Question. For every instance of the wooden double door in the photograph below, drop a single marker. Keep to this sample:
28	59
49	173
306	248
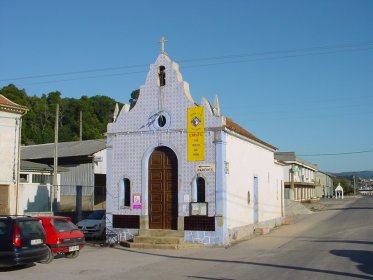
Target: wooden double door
163	189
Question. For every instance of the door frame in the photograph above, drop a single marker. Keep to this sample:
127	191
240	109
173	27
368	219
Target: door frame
145	183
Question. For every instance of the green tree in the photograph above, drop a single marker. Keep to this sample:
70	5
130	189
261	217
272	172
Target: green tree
38	123
20	97
134	97
345	183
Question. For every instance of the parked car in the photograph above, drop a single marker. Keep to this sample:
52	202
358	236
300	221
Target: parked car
94	226
22	241
62	237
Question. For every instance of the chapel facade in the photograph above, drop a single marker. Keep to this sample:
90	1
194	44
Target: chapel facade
178	165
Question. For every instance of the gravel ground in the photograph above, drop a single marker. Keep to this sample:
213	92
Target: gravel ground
296	211
328	203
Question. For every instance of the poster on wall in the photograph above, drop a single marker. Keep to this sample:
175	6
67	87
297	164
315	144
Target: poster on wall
136	201
196	134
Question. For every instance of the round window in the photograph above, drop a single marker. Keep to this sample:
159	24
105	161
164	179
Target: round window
162	120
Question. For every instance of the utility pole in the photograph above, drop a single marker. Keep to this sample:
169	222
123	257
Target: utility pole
292	186
55	163
354	186
81	126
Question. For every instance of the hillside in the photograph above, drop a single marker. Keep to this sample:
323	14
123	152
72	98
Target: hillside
358	174
38	123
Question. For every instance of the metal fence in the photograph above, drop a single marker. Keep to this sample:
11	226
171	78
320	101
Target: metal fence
61	198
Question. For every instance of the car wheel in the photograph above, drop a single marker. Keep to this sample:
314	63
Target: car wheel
72	255
49	257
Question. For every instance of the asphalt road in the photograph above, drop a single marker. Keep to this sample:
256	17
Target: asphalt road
332	244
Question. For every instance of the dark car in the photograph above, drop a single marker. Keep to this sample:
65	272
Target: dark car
63	237
22	241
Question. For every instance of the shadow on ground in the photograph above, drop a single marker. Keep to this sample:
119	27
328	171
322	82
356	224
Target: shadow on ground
364	259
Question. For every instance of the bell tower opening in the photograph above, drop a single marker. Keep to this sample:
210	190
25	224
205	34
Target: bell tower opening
162	76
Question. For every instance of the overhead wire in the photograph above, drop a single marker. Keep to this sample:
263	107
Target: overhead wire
336	154
309	52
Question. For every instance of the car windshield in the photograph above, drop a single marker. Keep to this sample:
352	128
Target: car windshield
63	225
96	215
30	228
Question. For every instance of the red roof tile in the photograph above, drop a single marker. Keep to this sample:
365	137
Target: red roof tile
231	125
10	106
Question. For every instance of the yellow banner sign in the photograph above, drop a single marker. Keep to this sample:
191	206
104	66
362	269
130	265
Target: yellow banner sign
196	134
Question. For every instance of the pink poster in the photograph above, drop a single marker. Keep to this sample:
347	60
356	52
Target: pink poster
136	201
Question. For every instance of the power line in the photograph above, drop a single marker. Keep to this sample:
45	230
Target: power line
311	51
282	51
337	154
276	57
190	66
74	72
84	78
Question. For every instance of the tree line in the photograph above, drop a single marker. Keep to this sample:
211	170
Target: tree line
38	123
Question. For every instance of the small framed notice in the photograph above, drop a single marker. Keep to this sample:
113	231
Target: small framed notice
136	201
205	168
198	208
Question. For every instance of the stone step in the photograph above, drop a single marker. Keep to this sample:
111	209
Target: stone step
158	239
161	246
161	232
262	230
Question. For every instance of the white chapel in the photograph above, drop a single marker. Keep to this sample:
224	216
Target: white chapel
179	166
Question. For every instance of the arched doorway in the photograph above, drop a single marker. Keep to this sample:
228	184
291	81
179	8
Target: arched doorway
163	189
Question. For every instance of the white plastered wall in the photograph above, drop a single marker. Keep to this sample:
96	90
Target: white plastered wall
8	147
9	139
247	160
100	162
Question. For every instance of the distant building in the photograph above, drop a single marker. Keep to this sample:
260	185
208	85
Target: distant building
10	139
35	189
299	176
324	184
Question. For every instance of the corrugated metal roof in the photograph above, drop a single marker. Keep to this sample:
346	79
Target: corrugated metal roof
35	166
65	149
29	165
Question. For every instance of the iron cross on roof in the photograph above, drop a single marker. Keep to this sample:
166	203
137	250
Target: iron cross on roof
162	41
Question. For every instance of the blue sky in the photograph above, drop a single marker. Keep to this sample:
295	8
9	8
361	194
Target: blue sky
297	74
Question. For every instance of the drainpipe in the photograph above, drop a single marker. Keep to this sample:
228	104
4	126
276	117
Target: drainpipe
18	160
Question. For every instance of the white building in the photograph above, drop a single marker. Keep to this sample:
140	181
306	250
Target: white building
299	176
324	184
174	164
80	163
35	187
10	127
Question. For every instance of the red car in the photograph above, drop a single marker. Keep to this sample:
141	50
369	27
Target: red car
62	237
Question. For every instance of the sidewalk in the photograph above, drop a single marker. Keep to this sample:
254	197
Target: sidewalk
296	211
328	203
